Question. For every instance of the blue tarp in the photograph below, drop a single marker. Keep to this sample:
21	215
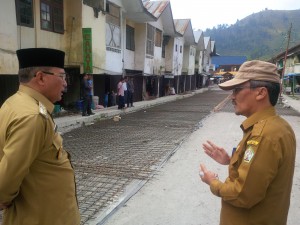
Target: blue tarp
228	60
291	74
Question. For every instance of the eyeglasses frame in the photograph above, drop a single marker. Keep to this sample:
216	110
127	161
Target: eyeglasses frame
236	90
63	76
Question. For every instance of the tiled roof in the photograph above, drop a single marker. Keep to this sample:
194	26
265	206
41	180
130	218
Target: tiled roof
181	25
156	7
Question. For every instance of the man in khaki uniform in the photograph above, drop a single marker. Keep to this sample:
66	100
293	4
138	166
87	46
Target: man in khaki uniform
37	184
261	168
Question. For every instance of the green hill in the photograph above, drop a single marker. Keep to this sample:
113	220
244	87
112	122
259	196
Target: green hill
258	36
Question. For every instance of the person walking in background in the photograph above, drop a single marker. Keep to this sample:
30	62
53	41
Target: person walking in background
261	167
90	97
106	100
37	183
85	90
121	101
112	98
125	91
130	90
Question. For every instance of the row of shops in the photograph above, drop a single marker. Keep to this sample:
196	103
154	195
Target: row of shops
146	87
291	83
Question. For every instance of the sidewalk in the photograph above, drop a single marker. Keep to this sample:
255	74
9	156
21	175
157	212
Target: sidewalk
291	101
67	123
176	195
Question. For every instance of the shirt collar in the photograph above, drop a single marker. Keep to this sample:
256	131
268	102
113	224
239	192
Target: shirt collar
258	116
37	96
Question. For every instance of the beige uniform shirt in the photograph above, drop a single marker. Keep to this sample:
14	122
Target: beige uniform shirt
261	170
35	173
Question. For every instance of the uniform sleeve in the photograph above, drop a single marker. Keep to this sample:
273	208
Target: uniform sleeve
24	140
249	184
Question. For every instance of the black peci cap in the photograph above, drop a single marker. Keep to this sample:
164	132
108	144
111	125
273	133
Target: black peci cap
35	57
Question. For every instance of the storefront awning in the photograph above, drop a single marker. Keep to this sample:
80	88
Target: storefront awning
170	76
223	73
206	74
291	74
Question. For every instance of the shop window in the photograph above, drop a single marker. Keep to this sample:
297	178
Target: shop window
130	38
166	40
163	51
24	13
52	18
158	38
150	40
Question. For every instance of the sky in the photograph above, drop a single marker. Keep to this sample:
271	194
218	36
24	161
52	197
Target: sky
210	13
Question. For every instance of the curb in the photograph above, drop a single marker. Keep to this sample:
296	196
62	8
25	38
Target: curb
68	123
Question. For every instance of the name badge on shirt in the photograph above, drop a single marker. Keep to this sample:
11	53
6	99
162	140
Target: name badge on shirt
249	153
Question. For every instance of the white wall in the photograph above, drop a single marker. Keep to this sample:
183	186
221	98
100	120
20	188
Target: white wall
153	64
129	59
8	41
192	55
98	37
186	58
140	46
177	56
169	52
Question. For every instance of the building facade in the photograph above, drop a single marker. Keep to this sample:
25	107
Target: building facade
109	39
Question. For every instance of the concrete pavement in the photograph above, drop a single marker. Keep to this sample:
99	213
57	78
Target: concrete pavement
184	171
176	195
69	122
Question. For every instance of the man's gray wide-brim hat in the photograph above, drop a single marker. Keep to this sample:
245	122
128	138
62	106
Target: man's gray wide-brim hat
253	70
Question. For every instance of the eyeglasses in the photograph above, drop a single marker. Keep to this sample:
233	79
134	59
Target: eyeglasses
236	90
61	75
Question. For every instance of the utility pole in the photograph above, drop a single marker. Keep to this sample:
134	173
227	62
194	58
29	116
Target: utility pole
286	51
284	61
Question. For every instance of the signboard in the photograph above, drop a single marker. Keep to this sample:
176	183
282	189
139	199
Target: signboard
87	50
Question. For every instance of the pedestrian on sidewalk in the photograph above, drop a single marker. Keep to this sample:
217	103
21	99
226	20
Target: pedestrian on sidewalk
121	100
112	98
125	91
130	92
261	167
37	184
85	90
106	99
90	99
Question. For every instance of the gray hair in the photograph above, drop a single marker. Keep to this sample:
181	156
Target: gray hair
26	74
272	87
